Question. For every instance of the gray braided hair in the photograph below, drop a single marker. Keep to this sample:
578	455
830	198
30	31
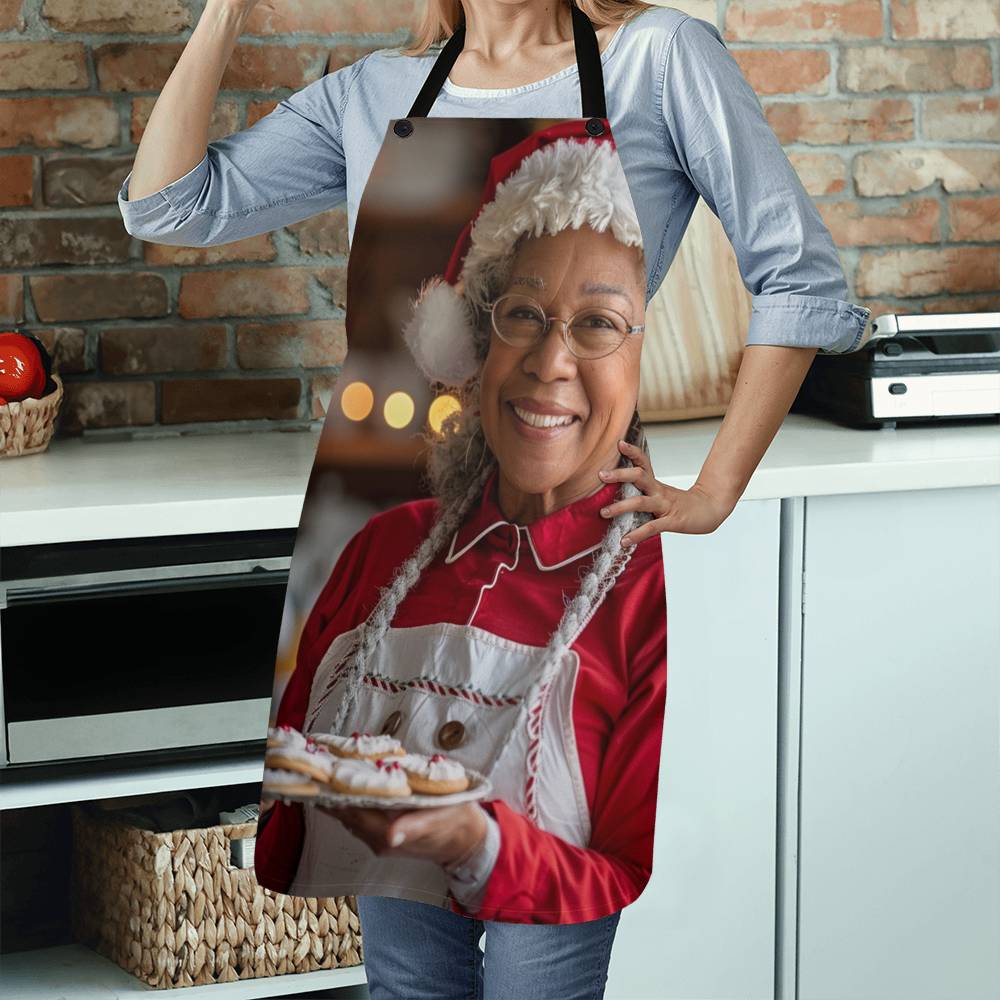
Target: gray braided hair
458	485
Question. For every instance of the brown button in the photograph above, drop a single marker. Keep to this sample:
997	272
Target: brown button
392	723
451	734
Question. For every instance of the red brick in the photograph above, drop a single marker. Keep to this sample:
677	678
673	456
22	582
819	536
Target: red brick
900	171
803	20
324	234
945	18
202	400
919	272
820	173
967	303
259	247
135	66
244	292
31	241
16	180
853	223
68	348
107	404
224	121
259	109
11	298
963	118
320	343
91	122
11	16
915	67
975	219
98	295
831	123
320	17
785	71
73	181
334	281
164	17
131	350
43	66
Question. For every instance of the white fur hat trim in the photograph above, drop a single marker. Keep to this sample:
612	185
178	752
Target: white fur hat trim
440	333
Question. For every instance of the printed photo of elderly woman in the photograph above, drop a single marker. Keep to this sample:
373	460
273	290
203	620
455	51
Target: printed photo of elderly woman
506	622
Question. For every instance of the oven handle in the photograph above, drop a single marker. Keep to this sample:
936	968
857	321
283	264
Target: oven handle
147	579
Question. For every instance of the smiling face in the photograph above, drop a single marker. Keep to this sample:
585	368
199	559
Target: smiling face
552	419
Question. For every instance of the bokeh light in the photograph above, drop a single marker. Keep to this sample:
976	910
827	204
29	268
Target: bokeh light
399	409
441	407
357	401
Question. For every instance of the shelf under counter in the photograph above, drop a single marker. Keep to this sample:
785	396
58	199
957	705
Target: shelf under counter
83	781
76	971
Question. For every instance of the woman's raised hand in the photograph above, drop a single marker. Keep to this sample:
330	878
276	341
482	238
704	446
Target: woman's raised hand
694	511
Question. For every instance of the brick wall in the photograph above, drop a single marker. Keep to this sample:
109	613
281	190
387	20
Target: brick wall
889	109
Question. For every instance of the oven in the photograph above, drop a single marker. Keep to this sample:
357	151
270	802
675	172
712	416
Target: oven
139	645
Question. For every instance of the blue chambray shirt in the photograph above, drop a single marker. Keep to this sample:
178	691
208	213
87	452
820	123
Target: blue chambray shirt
685	121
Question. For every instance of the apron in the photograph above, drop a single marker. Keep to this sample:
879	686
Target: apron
420	683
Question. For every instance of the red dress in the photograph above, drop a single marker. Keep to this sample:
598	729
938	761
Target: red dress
618	703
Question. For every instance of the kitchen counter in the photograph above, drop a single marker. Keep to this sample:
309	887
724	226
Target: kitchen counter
89	489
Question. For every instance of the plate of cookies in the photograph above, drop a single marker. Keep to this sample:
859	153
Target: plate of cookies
363	769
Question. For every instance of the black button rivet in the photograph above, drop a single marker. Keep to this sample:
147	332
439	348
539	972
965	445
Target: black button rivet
403	128
595	126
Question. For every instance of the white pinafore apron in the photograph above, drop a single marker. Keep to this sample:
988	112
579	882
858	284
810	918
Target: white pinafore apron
517	732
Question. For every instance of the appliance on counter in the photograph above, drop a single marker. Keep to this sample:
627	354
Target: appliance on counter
133	645
914	368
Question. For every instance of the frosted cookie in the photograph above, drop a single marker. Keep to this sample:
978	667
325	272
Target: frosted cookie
366	777
285	736
363	746
312	760
434	775
278	783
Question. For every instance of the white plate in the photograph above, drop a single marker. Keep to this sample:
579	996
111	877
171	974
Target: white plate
479	788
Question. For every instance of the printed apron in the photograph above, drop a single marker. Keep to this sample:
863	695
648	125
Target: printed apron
515	725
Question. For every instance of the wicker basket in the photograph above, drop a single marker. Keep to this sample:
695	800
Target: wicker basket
27	426
170	909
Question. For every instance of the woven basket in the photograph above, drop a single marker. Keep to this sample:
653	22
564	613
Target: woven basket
27	426
696	328
170	909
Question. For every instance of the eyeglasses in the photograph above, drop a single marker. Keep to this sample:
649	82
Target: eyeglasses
593	332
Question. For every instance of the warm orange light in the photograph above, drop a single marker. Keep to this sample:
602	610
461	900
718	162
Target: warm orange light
398	410
441	407
357	401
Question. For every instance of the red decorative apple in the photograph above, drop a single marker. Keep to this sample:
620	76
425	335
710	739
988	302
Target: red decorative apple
24	367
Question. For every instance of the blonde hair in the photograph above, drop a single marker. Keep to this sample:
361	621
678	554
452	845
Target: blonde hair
440	18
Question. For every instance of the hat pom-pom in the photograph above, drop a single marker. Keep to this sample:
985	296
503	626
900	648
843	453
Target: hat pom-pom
441	334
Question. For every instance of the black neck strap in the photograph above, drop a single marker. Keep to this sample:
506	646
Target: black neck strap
588	61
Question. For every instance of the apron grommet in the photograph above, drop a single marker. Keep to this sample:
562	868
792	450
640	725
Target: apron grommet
451	734
403	128
595	126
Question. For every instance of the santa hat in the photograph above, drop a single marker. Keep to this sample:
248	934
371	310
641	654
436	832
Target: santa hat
561	177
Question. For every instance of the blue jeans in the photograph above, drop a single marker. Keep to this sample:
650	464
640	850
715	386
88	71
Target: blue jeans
417	951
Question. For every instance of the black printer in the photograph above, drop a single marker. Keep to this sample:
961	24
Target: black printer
911	369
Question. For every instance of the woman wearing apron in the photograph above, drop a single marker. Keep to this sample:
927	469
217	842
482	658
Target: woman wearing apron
555	913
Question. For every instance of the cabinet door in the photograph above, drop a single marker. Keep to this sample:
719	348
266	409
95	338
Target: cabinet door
704	926
899	879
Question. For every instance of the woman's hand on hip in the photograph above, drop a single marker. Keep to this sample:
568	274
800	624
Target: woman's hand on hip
694	511
444	834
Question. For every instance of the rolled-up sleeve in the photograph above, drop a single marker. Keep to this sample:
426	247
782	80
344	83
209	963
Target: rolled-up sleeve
787	258
288	166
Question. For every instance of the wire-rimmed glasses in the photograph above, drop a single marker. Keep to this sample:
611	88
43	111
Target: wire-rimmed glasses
591	333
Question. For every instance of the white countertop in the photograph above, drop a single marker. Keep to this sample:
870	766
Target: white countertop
85	489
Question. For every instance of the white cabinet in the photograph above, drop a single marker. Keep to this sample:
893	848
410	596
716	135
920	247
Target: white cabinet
899	809
704	926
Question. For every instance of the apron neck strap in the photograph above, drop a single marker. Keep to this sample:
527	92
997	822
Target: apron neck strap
588	61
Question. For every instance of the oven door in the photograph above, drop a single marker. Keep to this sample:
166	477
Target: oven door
172	646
